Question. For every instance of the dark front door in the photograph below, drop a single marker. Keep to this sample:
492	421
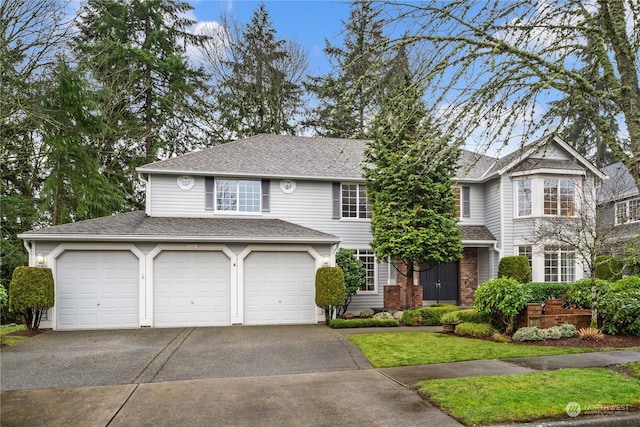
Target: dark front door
440	282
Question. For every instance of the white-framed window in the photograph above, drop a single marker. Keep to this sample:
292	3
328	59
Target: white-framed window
369	261
526	251
354	201
559	197
559	264
185	182
628	211
233	195
524	197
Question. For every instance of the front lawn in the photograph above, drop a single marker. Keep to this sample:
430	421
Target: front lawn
420	348
538	395
11	339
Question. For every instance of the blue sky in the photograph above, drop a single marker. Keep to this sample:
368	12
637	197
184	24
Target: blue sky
307	22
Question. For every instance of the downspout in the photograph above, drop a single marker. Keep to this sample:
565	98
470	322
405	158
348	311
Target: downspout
496	248
28	245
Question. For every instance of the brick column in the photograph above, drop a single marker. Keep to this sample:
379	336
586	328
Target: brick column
469	270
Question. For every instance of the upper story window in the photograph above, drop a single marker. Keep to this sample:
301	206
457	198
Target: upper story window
463	201
559	197
354	201
524	197
232	195
628	211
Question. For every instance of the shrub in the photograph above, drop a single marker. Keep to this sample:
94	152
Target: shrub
467	315
330	289
590	334
474	330
4	298
539	292
31	293
529	333
608	267
554	333
450	317
501	299
367	312
362	323
498	337
619	307
567	330
398	316
426	316
580	293
354	276
383	315
515	267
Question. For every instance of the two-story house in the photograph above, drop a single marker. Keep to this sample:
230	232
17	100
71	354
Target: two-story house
234	234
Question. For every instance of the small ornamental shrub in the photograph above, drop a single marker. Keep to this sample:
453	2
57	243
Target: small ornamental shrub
474	330
467	315
581	292
619	307
608	268
450	317
515	267
590	334
539	292
362	323
330	290
529	333
502	300
354	276
31	293
554	333
426	316
498	337
567	330
367	312
398	316
383	315
4	298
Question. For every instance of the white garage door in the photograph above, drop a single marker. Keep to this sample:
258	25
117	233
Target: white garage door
279	288
191	288
97	290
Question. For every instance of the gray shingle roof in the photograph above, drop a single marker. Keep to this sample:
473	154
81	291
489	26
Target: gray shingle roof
476	233
619	185
272	156
136	226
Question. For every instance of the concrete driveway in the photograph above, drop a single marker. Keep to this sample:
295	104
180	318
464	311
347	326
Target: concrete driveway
262	375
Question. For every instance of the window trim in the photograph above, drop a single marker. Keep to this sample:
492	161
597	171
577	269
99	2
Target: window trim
356	252
559	252
520	186
558	208
628	217
359	186
211	195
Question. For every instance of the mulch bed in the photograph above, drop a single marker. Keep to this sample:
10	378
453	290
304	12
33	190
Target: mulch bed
621	341
26	332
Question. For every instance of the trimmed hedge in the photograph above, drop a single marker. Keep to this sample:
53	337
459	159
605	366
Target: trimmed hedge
330	289
619	307
539	292
469	315
31	292
474	330
515	267
426	316
362	323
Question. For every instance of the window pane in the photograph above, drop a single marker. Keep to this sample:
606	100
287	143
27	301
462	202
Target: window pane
456	194
349	201
364	207
369	262
634	210
226	195
567	266
526	252
551	264
524	197
466	202
249	196
567	197
550	197
621	212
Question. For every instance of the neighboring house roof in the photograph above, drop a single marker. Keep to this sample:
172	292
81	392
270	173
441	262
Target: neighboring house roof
275	156
619	184
136	226
476	233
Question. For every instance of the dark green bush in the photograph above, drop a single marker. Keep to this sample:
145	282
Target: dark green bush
539	292
580	294
515	267
31	293
330	289
426	316
469	315
474	330
501	299
608	267
619	307
362	323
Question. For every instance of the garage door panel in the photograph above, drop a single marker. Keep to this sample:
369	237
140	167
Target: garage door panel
97	289
191	288
279	288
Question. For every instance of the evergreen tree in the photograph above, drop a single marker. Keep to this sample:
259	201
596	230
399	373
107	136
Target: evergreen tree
75	188
409	185
153	98
258	79
349	98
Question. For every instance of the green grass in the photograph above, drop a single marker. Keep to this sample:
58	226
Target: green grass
420	348
8	339
635	367
526	397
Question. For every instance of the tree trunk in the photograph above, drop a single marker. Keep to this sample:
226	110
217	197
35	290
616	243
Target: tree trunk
409	285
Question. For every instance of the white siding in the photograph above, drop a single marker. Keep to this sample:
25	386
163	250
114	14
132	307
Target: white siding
166	199
484	267
477	199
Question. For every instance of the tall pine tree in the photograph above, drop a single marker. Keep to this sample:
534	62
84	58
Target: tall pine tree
411	165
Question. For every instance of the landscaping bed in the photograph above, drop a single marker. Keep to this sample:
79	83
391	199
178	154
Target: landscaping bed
609	341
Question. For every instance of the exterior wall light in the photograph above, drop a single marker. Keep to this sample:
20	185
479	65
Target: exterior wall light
41	260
